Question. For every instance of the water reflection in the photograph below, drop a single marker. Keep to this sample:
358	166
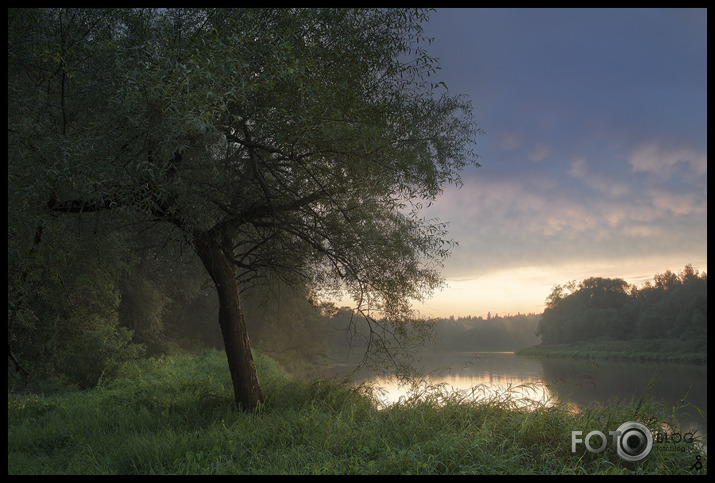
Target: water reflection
579	383
499	376
462	389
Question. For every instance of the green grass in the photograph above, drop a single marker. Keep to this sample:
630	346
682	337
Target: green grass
656	350
175	415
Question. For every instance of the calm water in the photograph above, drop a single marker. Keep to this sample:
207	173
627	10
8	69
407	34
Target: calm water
577	382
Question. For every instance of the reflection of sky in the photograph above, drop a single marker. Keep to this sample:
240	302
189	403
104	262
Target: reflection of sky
578	383
481	376
595	157
524	394
480	387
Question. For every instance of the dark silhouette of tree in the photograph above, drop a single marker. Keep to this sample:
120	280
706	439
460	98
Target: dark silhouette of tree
673	306
294	142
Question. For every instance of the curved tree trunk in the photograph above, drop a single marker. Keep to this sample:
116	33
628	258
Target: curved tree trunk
246	389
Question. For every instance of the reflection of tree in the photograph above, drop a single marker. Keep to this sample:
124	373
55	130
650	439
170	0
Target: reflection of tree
578	383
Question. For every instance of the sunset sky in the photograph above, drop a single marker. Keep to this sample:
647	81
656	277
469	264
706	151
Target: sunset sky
594	161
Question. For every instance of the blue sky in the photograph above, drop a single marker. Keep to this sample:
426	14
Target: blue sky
594	161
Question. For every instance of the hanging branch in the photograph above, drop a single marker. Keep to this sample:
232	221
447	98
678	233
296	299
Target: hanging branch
18	366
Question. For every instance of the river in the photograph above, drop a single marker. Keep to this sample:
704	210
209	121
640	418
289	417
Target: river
577	382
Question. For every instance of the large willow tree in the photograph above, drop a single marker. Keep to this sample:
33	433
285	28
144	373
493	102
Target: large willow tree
299	142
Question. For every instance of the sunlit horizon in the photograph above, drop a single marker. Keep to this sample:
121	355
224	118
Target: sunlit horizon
594	161
523	290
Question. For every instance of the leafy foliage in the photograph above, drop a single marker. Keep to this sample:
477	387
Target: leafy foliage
673	306
63	298
297	143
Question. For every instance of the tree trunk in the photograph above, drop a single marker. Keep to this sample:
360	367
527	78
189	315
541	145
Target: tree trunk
246	389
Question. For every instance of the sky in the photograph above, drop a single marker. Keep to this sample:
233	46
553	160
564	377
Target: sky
594	161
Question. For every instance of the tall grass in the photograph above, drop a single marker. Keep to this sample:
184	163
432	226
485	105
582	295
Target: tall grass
175	415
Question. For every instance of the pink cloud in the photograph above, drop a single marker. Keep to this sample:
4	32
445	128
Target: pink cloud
650	157
680	204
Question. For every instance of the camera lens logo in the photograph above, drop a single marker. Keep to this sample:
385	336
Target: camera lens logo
634	441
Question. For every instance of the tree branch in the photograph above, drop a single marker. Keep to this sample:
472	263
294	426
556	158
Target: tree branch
18	366
255	213
78	206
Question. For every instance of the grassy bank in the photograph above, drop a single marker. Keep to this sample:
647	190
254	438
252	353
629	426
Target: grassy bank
176	416
656	350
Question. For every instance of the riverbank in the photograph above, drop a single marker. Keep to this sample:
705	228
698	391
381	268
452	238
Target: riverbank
656	350
175	415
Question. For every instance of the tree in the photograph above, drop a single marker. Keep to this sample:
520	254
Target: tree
671	307
62	309
293	142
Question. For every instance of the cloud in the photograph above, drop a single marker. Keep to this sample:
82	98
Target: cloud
679	204
538	152
602	184
642	231
578	167
615	216
653	158
503	222
508	141
595	159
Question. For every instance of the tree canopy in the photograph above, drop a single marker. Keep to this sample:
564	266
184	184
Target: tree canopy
290	143
672	306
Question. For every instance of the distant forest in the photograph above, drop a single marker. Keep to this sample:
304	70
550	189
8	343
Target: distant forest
463	334
672	306
494	333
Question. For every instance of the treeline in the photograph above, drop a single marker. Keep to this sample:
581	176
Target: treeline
672	306
493	333
347	333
